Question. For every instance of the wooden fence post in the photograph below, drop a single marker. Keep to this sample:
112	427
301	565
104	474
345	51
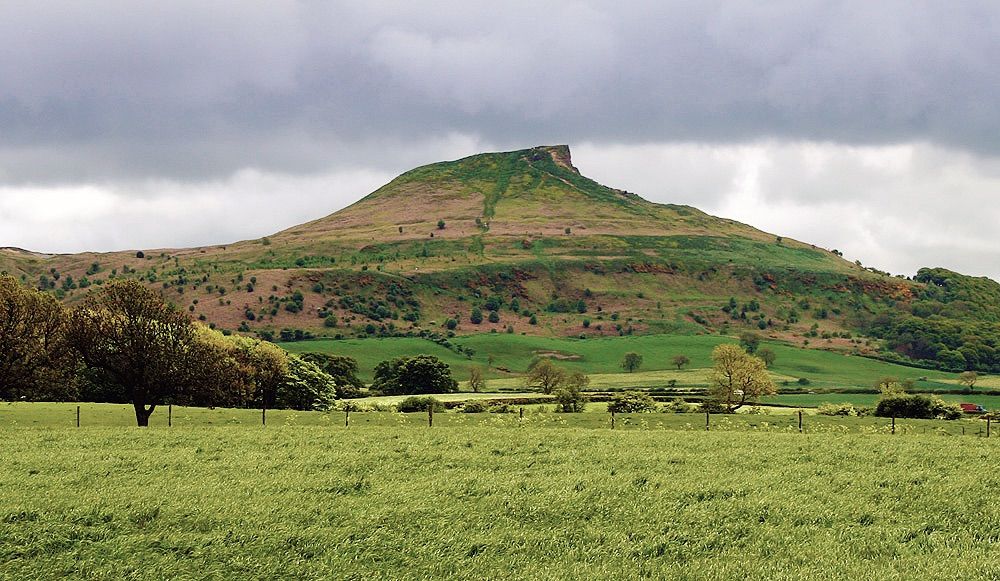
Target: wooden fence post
612	419
263	415
988	420
78	416
170	415
430	416
520	413
800	421
893	424
706	420
347	416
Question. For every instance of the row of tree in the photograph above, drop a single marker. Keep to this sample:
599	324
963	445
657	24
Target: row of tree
124	343
737	377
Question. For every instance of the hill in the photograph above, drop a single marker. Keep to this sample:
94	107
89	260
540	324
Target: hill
526	243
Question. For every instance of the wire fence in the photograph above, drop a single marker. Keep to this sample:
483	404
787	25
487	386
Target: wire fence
82	416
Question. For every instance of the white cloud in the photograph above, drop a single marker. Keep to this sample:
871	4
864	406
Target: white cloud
896	207
161	213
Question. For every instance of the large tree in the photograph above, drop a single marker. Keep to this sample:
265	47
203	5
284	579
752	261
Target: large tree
36	361
544	375
343	369
232	371
738	377
305	387
139	342
413	375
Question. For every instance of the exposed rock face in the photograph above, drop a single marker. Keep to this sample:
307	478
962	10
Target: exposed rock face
561	155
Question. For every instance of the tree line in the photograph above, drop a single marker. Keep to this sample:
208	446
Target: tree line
125	344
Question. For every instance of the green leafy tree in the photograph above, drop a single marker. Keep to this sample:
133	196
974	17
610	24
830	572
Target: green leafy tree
36	361
750	342
767	355
343	370
305	387
631	362
414	375
680	361
137	341
476	316
737	377
544	375
569	393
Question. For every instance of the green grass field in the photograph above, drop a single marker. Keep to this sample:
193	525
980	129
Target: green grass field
603	356
471	501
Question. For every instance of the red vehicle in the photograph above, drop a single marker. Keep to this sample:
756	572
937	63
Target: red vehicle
972	408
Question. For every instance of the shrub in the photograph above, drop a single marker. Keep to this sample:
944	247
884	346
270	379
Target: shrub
913	405
475	407
679	406
630	402
569	399
419	404
476	316
712	407
837	409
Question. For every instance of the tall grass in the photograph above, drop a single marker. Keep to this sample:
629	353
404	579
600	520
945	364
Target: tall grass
393	502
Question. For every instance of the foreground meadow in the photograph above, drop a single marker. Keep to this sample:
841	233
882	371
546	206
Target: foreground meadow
478	502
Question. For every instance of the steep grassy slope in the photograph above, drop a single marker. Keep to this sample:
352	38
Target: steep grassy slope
525	236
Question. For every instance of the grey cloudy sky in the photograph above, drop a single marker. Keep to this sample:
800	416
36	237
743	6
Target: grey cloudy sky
872	127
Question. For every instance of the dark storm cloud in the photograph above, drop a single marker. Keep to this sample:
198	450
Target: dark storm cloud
190	90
